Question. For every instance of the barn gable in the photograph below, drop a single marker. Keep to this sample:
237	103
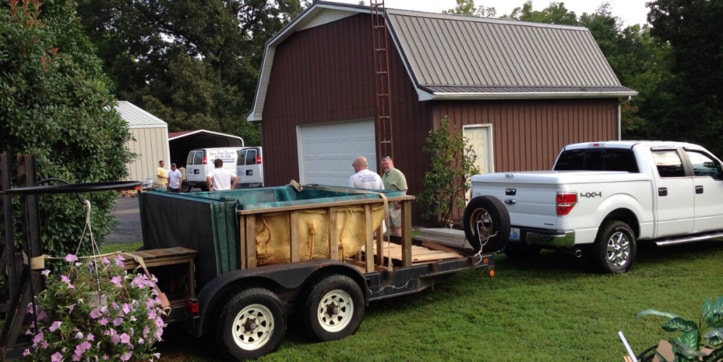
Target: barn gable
518	91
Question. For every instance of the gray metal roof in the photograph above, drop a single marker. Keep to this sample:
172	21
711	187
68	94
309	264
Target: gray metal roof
463	57
136	117
447	54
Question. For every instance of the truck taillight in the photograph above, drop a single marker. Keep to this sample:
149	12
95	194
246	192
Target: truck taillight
192	308
565	201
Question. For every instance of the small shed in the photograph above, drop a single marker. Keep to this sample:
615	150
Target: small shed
182	142
149	140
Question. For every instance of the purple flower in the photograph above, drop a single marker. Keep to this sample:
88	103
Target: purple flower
56	357
45	272
70	258
95	313
82	347
38	338
125	338
103	321
126	308
66	280
117	321
26	352
126	356
91	337
117	281
54	327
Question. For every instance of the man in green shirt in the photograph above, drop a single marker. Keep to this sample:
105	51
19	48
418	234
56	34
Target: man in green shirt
394	180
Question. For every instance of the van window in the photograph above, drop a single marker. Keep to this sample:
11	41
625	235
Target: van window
246	157
597	159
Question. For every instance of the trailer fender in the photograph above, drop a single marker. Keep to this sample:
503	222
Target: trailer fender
283	279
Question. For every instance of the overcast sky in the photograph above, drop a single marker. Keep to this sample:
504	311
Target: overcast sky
631	12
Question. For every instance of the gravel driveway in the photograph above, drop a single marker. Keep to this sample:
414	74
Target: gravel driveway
128	228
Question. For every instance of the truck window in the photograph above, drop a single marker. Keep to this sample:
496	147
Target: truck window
597	159
668	163
703	165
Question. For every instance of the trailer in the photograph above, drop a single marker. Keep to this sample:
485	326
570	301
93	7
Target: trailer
236	264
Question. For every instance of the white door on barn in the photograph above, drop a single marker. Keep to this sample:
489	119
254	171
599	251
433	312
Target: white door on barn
326	151
480	138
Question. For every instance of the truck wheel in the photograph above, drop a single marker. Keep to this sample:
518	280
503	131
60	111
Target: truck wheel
615	247
252	324
486	223
334	308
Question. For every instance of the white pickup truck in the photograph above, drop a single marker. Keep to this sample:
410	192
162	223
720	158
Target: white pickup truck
602	198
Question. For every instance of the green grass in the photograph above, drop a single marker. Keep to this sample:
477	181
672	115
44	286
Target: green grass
550	308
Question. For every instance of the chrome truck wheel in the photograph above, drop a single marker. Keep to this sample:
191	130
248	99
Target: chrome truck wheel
486	224
615	247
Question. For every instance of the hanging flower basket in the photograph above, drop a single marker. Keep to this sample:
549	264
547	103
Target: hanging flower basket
95	310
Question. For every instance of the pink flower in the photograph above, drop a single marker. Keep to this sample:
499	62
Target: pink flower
126	308
26	352
125	338
95	313
56	357
54	327
126	356
38	338
81	348
103	321
45	272
66	280
118	321
117	281
91	337
70	258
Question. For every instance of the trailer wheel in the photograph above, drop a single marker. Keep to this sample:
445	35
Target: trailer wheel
486	223
615	247
334	308
252	324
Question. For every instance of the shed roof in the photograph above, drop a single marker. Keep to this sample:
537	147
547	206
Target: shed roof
136	117
450	57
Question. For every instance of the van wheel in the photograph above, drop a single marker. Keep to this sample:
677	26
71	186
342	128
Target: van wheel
185	187
252	324
334	308
486	223
615	247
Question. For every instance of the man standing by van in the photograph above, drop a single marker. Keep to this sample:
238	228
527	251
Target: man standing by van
161	176
175	179
221	179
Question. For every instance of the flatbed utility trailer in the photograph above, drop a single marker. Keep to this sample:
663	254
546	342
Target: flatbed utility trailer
315	251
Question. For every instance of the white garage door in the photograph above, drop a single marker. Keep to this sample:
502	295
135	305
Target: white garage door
326	151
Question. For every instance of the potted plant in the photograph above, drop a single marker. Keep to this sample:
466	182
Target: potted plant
95	310
702	341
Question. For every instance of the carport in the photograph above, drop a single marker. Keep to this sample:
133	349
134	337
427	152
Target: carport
180	143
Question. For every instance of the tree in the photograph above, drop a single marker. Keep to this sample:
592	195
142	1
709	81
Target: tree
467	7
445	184
694	30
193	64
55	103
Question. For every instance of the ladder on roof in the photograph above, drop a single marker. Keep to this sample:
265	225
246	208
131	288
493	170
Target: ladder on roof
382	83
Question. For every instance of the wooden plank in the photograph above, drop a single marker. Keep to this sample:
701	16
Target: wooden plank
419	253
333	236
241	243
369	237
250	241
407	233
294	237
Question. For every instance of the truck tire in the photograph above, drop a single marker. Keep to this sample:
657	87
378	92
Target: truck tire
615	247
333	309
486	223
252	324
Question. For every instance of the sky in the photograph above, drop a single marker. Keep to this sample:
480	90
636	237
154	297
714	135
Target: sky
631	12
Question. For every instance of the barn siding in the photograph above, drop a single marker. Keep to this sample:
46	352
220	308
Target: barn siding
150	144
527	135
326	74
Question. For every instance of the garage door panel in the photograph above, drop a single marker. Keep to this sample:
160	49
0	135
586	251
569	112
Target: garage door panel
326	151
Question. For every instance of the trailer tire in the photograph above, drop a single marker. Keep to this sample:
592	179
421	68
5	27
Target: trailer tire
252	324
615	247
486	217
334	308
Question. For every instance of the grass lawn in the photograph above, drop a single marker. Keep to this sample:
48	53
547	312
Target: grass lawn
549	308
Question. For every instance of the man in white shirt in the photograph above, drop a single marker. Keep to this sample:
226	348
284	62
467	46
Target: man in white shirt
363	178
221	179
175	179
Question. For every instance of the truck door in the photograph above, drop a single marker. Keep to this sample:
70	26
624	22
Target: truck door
708	185
674	194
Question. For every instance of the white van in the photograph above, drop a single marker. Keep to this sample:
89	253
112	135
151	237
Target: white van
250	167
199	163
